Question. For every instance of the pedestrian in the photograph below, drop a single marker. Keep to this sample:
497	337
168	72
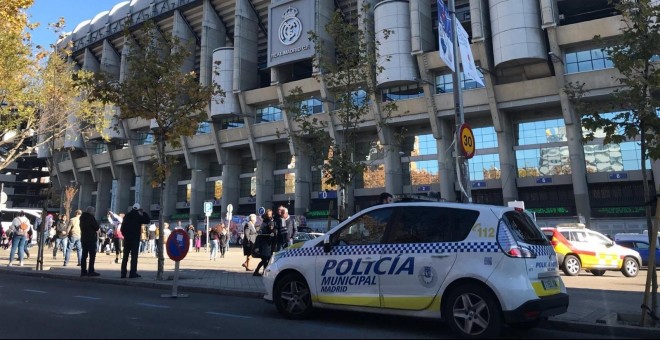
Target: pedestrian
44	228
61	236
249	236
264	241
286	228
191	235
52	233
223	239
385	197
198	242
117	236
214	237
89	228
131	230
19	228
144	238
166	231
74	238
151	234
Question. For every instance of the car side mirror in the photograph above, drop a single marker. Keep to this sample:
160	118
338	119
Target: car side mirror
327	247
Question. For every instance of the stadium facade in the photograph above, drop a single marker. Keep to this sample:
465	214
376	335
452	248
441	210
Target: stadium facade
528	136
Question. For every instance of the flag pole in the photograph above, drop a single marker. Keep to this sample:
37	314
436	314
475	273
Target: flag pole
462	172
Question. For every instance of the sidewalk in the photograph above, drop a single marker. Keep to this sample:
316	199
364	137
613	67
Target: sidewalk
226	276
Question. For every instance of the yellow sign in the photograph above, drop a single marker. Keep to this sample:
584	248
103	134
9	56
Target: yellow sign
467	142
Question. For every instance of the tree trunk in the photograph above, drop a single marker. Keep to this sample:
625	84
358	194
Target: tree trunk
651	279
161	181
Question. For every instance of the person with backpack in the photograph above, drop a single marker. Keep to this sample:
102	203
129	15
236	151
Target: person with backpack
117	236
61	236
19	228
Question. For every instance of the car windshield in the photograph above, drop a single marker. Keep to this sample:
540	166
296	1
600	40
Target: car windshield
523	228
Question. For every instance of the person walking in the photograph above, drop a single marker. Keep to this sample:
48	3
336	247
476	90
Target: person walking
151	234
265	241
19	228
144	238
214	236
385	197
191	235
61	236
198	242
131	226
286	228
74	238
89	228
223	239
117	236
249	236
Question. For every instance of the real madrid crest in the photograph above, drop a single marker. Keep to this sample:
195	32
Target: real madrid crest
427	276
291	27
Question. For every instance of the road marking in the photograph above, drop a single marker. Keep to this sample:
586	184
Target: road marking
152	305
34	291
87	297
230	315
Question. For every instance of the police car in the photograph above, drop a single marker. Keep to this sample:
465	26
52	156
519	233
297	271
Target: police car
475	266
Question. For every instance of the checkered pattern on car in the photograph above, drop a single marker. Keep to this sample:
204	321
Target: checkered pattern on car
541	250
406	248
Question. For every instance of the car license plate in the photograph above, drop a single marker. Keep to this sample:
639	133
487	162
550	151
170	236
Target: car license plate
549	284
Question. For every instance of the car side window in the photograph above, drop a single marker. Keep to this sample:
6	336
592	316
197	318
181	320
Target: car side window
642	245
431	224
364	230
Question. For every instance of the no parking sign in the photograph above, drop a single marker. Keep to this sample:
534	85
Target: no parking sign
177	245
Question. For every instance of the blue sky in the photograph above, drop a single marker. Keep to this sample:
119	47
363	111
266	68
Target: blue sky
73	11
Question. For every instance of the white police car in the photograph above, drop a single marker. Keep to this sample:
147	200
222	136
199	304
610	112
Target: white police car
475	266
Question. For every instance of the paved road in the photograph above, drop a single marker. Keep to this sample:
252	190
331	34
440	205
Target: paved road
36	307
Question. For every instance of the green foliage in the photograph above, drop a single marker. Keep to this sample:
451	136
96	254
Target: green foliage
348	68
635	103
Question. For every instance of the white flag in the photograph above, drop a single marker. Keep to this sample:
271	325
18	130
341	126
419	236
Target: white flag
445	34
469	68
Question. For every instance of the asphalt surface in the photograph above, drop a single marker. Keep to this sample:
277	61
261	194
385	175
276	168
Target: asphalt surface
597	309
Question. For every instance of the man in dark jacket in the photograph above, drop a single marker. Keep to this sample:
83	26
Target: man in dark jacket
131	227
88	231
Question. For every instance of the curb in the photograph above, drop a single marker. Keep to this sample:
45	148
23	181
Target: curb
138	283
622	331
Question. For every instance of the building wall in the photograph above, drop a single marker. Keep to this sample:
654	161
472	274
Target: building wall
528	143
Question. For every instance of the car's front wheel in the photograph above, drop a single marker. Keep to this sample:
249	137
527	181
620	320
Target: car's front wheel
630	267
571	265
292	297
473	312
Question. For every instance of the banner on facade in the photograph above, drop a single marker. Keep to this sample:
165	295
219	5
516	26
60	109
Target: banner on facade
445	35
469	68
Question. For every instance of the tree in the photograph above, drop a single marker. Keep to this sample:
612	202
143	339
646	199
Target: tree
39	89
351	83
634	105
157	89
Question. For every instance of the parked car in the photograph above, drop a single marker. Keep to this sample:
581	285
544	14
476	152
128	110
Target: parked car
578	247
639	243
475	266
301	236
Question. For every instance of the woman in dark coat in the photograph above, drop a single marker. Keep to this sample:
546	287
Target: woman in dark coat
265	240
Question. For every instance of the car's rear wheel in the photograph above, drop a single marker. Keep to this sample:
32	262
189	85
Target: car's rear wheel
571	265
597	272
473	312
630	267
292	297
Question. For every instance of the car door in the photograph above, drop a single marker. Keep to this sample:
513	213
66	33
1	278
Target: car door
606	256
417	255
347	275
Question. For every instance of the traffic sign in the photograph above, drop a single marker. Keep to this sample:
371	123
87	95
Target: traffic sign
208	207
177	244
261	210
467	142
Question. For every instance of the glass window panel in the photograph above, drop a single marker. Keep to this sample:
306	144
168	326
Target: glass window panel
425	145
571	57
485	137
584	56
484	167
424	172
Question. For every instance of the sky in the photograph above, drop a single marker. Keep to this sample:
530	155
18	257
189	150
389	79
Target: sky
73	11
